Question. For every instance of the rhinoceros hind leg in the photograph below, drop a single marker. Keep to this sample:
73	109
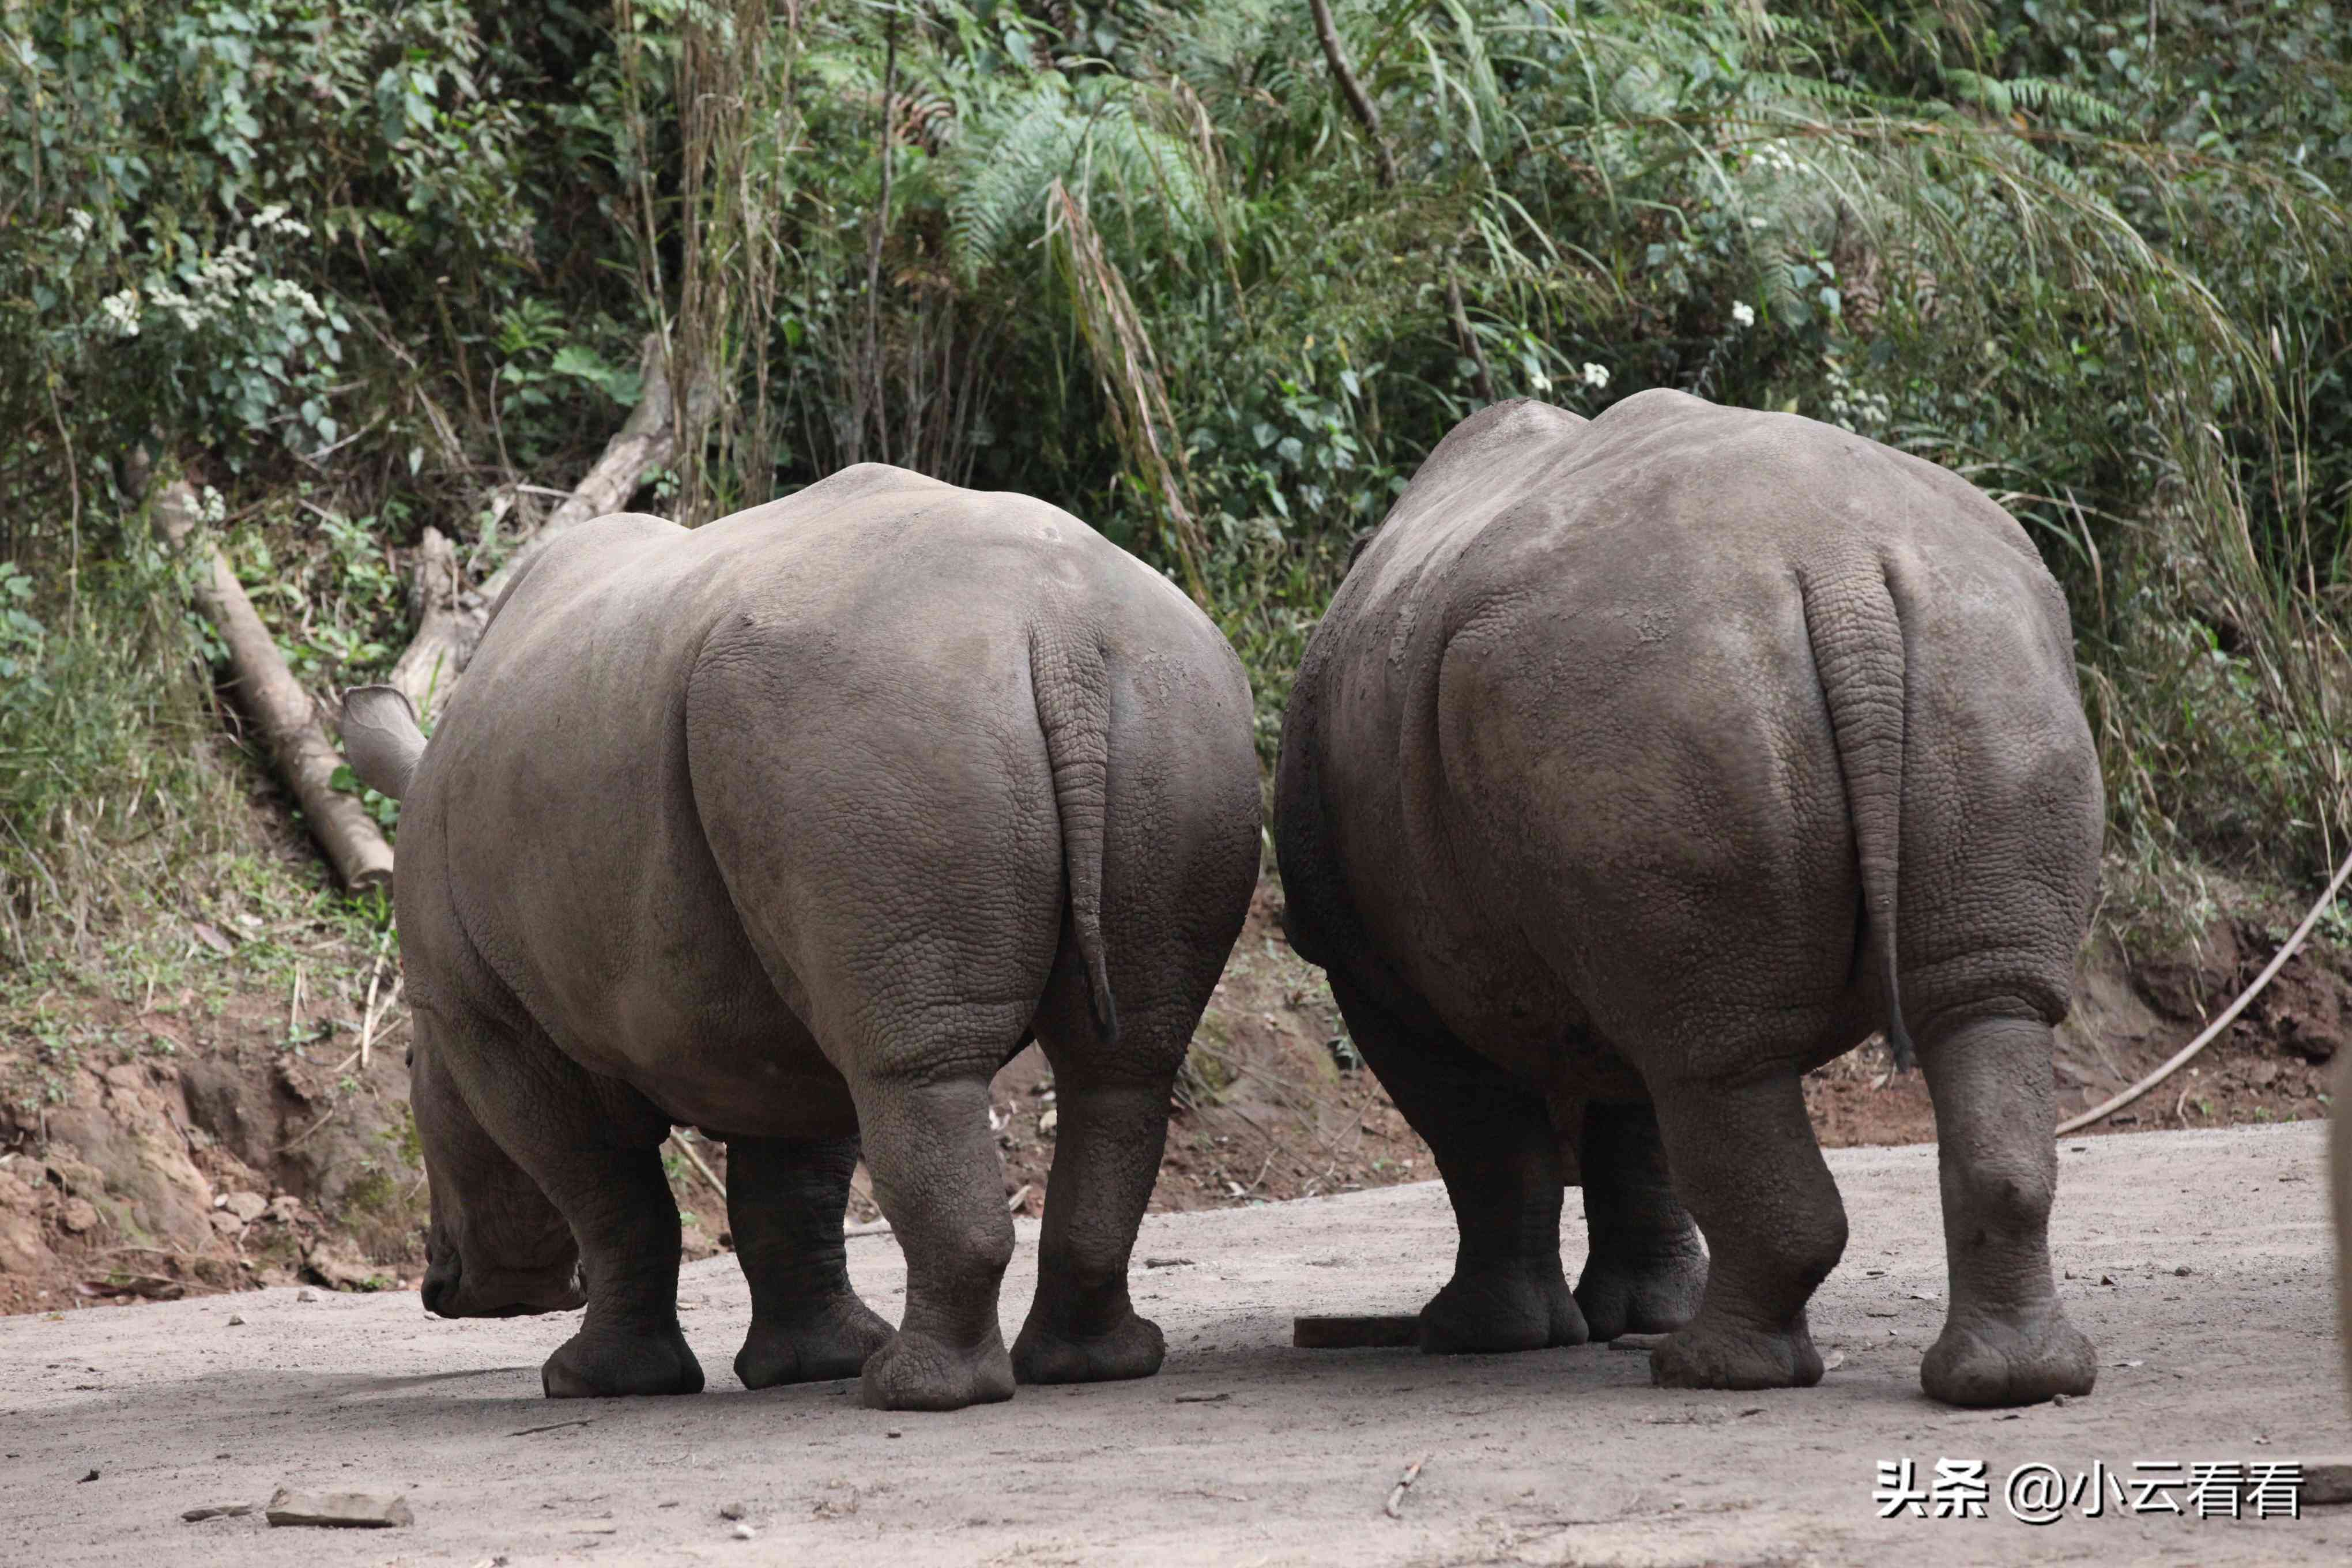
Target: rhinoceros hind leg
1500	1158
939	1179
2006	1339
1645	1269
1746	1163
620	1206
1113	1104
785	1200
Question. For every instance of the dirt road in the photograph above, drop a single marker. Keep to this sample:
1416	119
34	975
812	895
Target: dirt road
2197	1261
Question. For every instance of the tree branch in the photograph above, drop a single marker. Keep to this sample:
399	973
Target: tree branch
1366	111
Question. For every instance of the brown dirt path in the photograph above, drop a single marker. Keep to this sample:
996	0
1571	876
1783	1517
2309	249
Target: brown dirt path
1244	1450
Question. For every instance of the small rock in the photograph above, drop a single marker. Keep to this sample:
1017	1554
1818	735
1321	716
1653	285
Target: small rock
1047	1121
222	1511
337	1263
893	1432
730	1510
744	1533
2183	1273
285	1210
2106	1278
339	1510
2328	1480
236	1320
78	1216
1832	1360
91	1477
306	1294
1638	1342
247	1206
1168	1263
226	1224
592	1527
2057	1399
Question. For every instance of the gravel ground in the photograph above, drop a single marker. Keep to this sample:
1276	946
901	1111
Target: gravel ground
2197	1261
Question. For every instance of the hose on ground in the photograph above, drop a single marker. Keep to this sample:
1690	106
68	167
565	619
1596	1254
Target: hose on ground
2213	1029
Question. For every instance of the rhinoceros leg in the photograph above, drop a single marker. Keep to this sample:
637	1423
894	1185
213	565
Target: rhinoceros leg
1112	1097
1645	1269
593	1145
940	1182
1500	1158
785	1199
1746	1163
620	1206
2006	1341
1082	1327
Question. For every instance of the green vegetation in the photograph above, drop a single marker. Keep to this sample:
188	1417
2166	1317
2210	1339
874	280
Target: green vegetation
363	267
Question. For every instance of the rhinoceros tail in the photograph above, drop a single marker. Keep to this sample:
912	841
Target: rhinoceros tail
1072	683
1857	643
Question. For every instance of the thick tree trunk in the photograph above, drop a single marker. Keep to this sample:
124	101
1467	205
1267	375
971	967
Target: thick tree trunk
280	706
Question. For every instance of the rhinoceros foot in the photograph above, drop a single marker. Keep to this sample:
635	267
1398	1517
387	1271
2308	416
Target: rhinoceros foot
833	1340
1713	1352
1984	1361
1518	1305
1627	1295
918	1371
606	1364
1132	1348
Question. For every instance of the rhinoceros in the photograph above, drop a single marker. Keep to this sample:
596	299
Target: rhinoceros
1605	780
793	828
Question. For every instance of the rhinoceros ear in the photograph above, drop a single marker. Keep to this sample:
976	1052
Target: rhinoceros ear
380	737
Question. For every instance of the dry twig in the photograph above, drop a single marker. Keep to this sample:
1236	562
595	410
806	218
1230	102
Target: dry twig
1405	1484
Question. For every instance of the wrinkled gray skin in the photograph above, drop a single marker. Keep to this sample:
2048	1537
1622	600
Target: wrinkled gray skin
1604	781
793	828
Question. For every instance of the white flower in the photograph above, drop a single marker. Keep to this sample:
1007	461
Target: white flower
1595	376
121	313
1743	314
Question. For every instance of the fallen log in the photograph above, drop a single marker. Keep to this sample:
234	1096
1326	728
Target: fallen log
449	618
444	639
289	728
